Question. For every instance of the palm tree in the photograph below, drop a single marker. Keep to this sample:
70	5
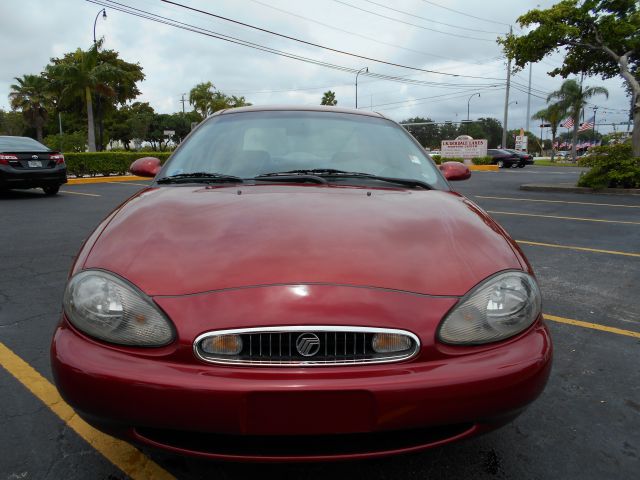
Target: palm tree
202	97
81	75
553	114
30	95
329	98
573	97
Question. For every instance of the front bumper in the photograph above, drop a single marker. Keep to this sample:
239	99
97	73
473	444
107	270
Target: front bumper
166	398
38	177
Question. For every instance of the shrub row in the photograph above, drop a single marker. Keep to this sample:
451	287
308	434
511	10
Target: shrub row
105	163
476	160
612	166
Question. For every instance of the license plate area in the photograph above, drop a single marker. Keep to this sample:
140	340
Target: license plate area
34	163
309	413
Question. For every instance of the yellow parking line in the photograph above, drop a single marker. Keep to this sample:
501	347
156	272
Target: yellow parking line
129	183
594	326
80	193
557	201
582	249
127	458
558	217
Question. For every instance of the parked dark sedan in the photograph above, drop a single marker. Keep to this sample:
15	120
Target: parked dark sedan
503	158
525	158
25	163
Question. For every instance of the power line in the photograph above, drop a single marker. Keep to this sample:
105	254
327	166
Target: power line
411	24
464	13
203	31
343	52
430	20
350	33
434	96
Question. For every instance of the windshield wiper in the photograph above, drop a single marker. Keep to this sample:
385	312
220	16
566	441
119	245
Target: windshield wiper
289	177
333	173
199	177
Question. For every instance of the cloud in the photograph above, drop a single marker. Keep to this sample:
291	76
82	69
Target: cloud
175	60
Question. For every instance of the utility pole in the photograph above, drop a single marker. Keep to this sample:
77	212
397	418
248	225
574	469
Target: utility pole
182	101
506	99
595	110
529	98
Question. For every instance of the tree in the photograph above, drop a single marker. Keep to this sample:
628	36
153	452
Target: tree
30	95
329	98
11	123
427	135
201	98
206	100
572	97
599	37
553	115
79	75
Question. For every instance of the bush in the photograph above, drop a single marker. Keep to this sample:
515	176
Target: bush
612	166
67	142
482	160
105	163
437	159
452	159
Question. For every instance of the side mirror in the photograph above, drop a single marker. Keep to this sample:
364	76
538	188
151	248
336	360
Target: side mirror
453	171
145	167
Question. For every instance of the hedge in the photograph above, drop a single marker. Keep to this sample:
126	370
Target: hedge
612	166
106	163
476	160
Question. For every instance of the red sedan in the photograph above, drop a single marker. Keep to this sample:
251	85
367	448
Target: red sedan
300	284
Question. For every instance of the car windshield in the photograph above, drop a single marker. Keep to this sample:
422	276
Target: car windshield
20	144
248	144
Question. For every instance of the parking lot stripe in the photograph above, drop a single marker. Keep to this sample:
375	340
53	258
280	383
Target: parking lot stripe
127	458
582	249
557	201
594	326
129	183
80	193
558	217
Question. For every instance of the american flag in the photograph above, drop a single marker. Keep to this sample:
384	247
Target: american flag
588	125
568	123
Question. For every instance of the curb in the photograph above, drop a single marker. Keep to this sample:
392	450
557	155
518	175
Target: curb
569	188
483	168
115	178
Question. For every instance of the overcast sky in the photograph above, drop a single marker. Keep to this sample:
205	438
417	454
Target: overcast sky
175	60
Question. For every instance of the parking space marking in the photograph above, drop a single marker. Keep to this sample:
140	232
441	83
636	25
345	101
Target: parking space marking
124	456
128	183
559	217
582	249
557	201
594	326
81	193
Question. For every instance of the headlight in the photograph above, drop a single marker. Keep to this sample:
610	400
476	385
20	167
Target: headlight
106	307
498	308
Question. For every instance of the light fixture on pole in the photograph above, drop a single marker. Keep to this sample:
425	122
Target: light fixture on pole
365	69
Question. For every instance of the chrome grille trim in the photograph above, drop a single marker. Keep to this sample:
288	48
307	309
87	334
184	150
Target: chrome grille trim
255	335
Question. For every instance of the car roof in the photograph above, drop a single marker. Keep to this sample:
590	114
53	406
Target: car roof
299	108
14	143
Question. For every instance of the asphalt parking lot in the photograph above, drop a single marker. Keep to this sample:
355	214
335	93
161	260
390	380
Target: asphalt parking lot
584	248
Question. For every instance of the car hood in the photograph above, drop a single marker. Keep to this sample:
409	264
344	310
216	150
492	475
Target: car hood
184	239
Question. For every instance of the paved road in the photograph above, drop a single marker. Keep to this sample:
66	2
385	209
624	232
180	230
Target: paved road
586	425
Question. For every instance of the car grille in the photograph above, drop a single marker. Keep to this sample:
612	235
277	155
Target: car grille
307	346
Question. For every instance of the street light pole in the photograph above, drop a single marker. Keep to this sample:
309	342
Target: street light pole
365	69
104	15
468	102
595	110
